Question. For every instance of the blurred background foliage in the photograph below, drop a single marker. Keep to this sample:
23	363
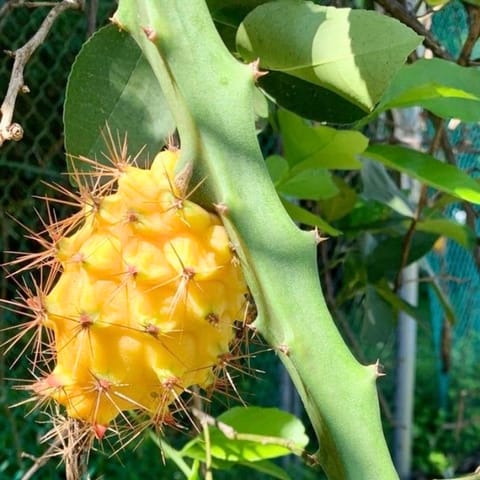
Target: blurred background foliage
447	405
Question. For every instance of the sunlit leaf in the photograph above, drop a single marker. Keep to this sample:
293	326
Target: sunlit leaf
341	204
308	146
327	46
427	169
443	87
378	185
462	234
312	184
282	434
301	215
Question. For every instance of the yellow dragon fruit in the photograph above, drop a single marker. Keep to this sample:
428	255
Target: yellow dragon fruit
144	305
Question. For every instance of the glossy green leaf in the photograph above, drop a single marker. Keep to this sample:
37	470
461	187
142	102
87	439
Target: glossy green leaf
174	455
372	216
378	185
309	100
379	318
341	204
301	215
277	433
269	468
397	303
443	87
386	258
228	16
461	234
442	296
312	184
112	84
354	53
306	146
427	169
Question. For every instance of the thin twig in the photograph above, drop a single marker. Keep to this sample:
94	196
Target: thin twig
14	131
41	461
422	202
92	17
397	10
473	34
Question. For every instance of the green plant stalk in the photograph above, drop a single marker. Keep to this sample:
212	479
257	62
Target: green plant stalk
210	95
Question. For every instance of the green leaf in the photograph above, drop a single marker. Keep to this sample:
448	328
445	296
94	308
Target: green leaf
300	215
312	184
370	215
277	167
228	16
379	317
354	53
379	186
442	87
438	290
269	468
427	169
174	455
341	204
386	258
462	234
309	100
309	147
112	84
265	431
397	303
437	3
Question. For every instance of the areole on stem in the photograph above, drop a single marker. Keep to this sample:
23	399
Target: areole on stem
210	95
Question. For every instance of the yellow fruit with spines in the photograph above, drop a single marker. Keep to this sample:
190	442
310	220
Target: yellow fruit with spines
145	303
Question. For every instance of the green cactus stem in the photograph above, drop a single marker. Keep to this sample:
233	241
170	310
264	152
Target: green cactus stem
210	95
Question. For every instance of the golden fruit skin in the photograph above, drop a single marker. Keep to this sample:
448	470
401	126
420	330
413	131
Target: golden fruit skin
146	301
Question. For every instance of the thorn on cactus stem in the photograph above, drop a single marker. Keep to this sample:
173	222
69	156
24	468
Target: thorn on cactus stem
318	236
378	369
257	73
221	208
150	33
285	349
114	20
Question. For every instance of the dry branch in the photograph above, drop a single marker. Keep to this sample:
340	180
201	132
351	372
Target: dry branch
14	131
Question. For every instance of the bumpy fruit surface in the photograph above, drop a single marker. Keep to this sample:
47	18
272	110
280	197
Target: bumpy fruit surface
145	303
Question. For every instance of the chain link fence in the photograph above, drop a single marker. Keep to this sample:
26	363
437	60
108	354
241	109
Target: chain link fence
24	166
